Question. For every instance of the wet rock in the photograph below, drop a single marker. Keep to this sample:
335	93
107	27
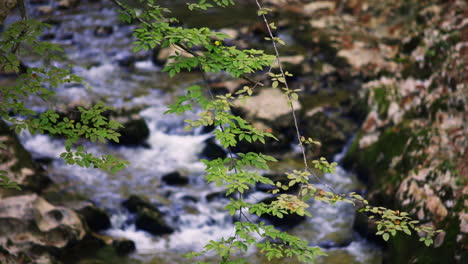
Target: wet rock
175	178
123	246
152	222
134	133
48	37
190	198
135	203
217	196
67	4
212	151
103	31
29	222
148	217
96	219
287	222
332	133
275	177
44	10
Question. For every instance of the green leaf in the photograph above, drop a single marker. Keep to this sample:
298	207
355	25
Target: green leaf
386	236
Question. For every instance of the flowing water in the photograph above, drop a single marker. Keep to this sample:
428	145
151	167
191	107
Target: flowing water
170	148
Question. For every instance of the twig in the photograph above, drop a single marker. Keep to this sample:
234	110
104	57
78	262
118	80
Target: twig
290	99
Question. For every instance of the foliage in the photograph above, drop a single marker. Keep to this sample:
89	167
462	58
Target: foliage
22	38
237	172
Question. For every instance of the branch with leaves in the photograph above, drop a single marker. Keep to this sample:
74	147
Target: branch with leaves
237	171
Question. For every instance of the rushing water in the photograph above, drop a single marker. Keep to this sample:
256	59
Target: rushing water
169	149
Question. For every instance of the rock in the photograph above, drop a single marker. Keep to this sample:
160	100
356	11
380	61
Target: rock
29	222
103	31
19	165
152	222
135	203
148	217
212	151
48	37
311	8
44	10
37	2
269	104
67	4
330	132
218	195
123	246
96	219
175	178
268	111
134	133
232	33
287	222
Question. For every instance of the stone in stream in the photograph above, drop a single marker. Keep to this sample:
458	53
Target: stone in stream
148	217
134	133
331	132
96	219
123	246
103	31
66	4
212	151
287	222
175	178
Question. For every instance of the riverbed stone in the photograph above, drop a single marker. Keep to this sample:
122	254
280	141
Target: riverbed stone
123	246
134	133
96	219
287	222
148	216
212	151
175	178
103	31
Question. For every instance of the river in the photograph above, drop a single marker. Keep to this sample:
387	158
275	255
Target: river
169	148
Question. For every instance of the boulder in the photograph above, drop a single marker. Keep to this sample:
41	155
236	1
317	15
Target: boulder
331	132
287	222
212	151
96	219
148	217
134	133
175	178
29	222
103	31
67	4
123	246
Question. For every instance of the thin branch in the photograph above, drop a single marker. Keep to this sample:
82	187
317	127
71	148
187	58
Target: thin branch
290	99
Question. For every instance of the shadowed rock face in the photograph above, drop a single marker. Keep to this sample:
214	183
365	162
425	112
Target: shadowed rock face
18	164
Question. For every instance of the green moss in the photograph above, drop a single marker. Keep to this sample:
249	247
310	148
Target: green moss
381	98
324	98
405	249
372	163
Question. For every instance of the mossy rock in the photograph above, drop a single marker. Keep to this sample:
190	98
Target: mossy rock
372	163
